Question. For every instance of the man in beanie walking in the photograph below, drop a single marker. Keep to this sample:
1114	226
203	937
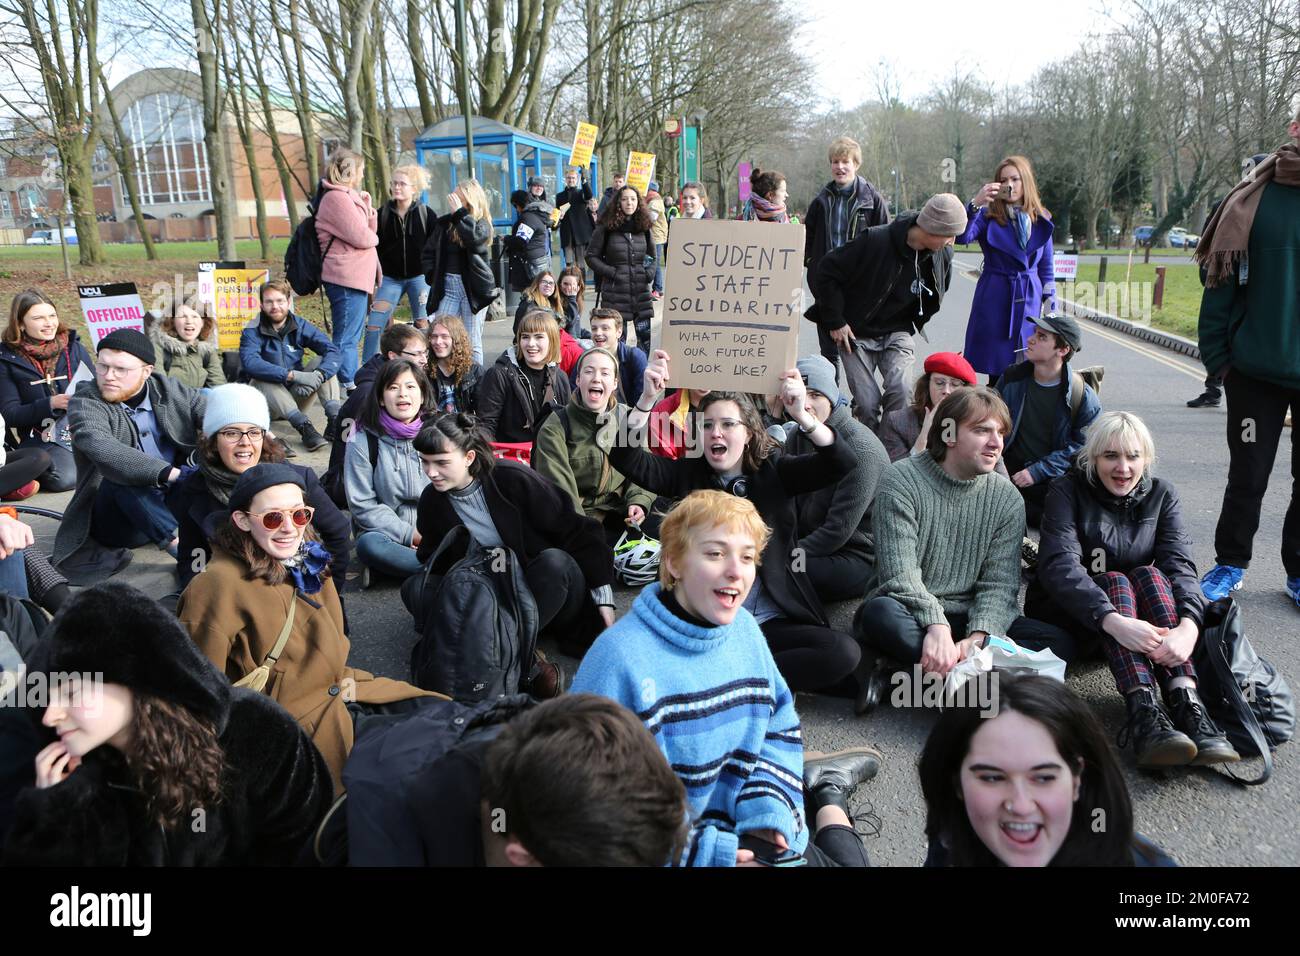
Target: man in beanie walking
1250	314
1051	407
875	291
836	521
132	431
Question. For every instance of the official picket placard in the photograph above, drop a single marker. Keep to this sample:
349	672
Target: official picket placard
584	142
207	291
237	303
108	308
732	303
640	170
1065	266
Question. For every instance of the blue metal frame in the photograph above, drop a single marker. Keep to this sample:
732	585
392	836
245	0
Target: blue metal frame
544	151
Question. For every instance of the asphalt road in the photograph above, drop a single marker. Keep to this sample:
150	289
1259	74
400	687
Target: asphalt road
1197	815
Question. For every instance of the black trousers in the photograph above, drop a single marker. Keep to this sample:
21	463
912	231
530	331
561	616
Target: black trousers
811	657
22	465
836	845
1035	497
890	628
1256	413
843	576
1213	385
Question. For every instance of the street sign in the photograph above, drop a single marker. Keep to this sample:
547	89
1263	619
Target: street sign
690	153
673	127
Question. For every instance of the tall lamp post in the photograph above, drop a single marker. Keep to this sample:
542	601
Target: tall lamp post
898	192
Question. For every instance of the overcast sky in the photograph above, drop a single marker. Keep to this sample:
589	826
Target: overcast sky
922	40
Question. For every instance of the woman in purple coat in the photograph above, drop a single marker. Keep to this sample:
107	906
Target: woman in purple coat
1014	231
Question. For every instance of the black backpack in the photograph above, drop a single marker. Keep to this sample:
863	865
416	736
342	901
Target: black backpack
303	260
332	480
1243	693
478	622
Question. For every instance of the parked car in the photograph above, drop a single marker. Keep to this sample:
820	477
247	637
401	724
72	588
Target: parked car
1180	238
1142	235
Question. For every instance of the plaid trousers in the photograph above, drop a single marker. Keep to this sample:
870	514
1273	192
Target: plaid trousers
1146	594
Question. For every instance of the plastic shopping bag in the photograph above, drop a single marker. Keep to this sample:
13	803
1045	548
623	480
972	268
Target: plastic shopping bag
1002	653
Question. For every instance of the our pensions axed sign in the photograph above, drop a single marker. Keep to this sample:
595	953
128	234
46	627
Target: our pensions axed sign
236	301
732	304
110	307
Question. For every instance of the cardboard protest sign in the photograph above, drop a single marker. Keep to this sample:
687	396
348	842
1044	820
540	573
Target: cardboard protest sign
732	303
584	141
207	291
237	302
111	307
640	170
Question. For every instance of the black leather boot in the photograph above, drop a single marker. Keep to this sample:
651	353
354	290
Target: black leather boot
1156	742
1189	716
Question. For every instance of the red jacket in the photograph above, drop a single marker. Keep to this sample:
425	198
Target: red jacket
670	425
570	351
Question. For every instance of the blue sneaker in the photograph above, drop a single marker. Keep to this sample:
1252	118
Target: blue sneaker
1293	589
1221	580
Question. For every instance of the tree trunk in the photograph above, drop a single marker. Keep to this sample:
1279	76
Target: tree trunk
208	40
359	18
122	155
277	148
296	76
419	62
236	83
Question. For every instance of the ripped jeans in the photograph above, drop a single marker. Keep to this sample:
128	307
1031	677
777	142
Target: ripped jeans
387	297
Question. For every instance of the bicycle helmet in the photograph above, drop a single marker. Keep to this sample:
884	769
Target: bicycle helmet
636	560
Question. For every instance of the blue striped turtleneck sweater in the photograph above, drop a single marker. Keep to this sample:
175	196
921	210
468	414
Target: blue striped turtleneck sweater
721	713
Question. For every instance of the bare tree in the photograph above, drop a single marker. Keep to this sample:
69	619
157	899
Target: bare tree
207	23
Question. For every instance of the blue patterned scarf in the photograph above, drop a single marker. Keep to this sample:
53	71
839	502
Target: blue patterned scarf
307	567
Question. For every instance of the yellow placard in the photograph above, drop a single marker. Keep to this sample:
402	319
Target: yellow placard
237	302
640	170
584	141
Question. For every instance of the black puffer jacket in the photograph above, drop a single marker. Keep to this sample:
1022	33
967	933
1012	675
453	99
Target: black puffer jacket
275	784
867	284
507	405
527	244
618	256
1087	530
401	240
470	259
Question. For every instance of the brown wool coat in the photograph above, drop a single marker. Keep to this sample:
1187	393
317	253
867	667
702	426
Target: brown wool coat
235	621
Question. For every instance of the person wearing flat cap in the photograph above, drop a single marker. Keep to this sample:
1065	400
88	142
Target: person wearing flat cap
1051	407
874	292
133	429
269	576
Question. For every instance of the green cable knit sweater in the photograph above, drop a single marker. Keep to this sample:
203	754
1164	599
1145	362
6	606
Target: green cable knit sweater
948	546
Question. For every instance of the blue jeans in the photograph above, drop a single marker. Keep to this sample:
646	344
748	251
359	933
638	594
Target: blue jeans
13	576
455	301
348	315
378	551
387	299
659	268
127	517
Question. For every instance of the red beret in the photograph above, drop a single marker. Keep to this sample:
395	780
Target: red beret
950	363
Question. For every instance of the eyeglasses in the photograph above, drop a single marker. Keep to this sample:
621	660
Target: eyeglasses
272	520
233	435
419	356
114	371
721	424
